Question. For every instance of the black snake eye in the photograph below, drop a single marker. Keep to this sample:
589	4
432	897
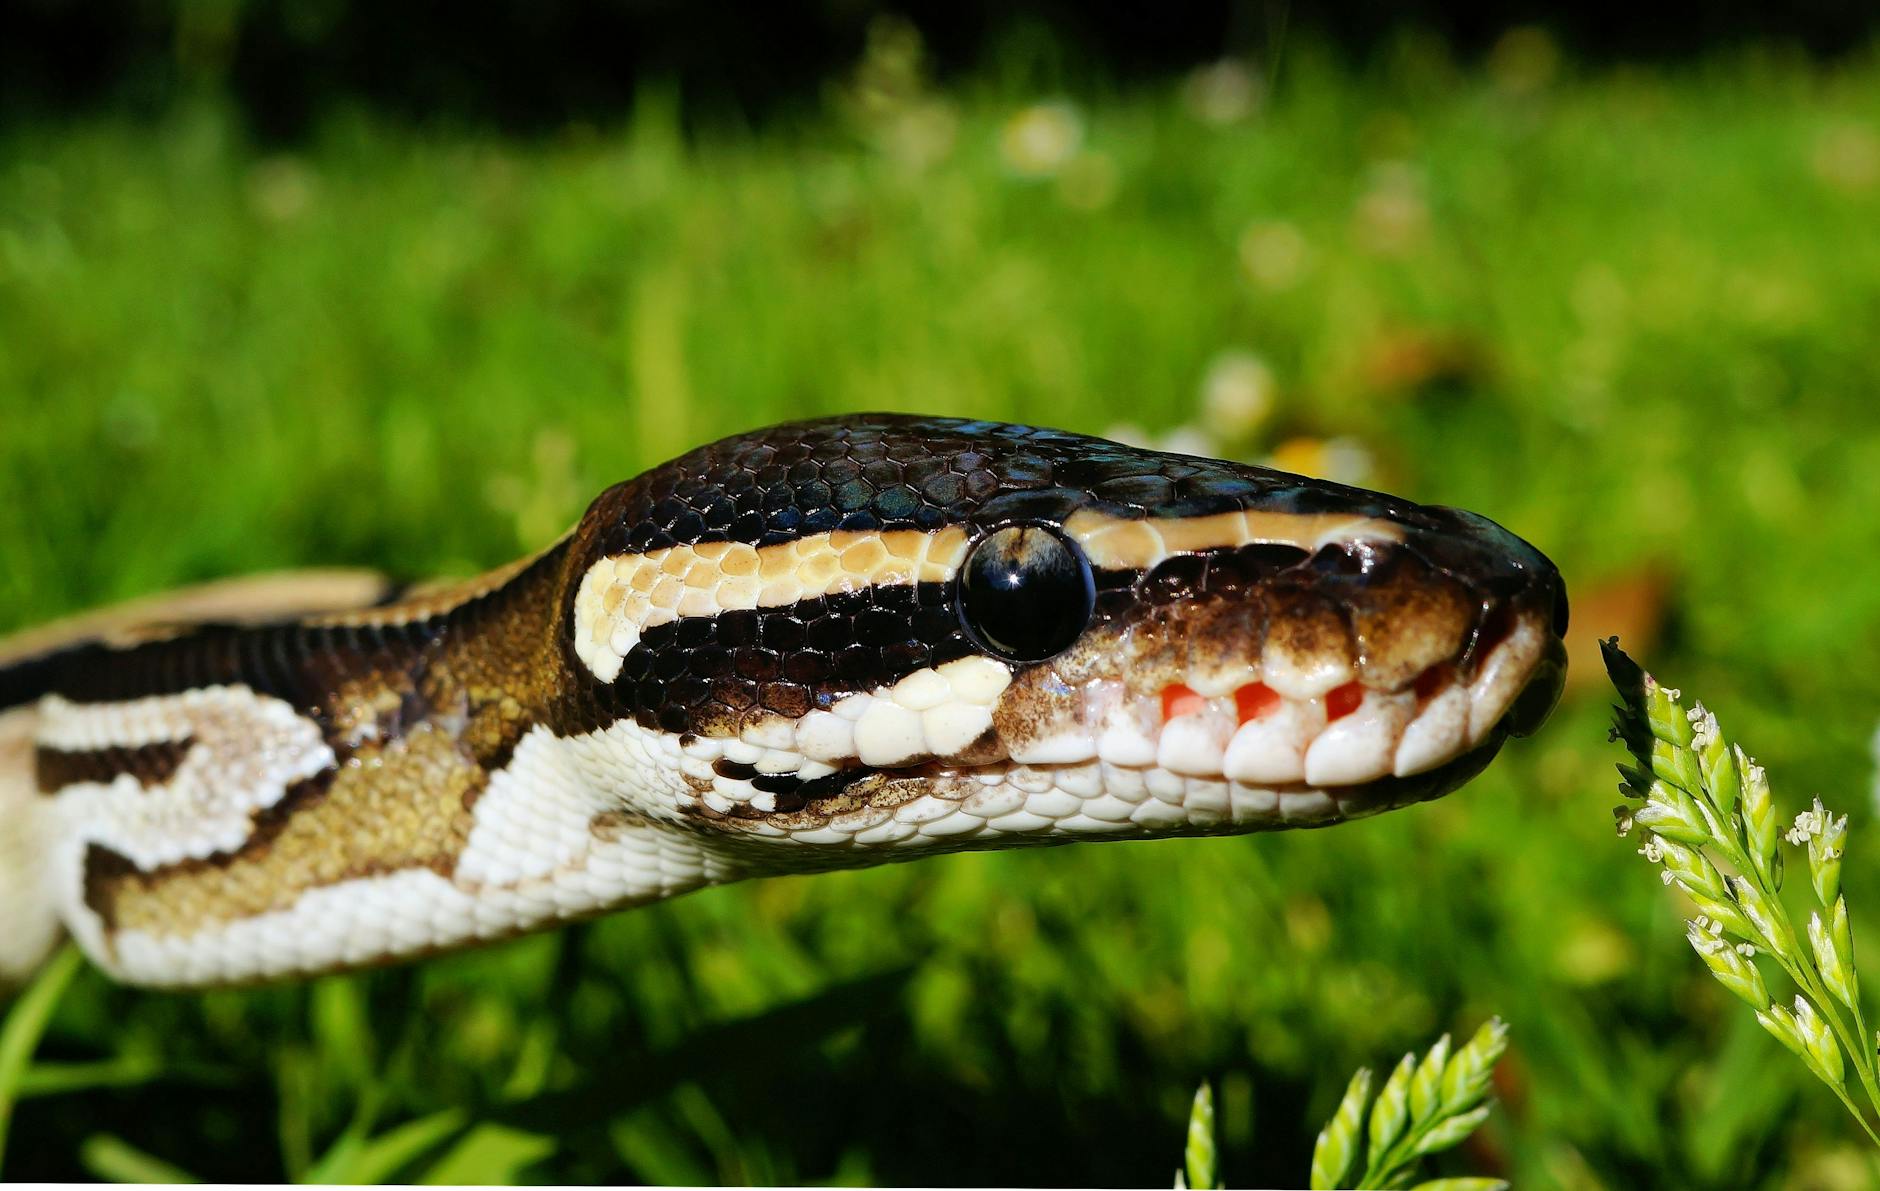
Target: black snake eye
1026	593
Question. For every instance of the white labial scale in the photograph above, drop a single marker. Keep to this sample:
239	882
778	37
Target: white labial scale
922	689
1195	743
1205	801
1022	822
771	732
989	802
976	679
936	712
955	824
1252	804
778	761
1124	783
888	734
1300	676
1307	806
248	750
822	836
1154	814
1501	676
1127	727
1360	747
1085	781
1437	733
887	833
1126	744
1064	748
741	752
1165	786
1106	809
825	736
1272	747
1053	804
924	809
951	727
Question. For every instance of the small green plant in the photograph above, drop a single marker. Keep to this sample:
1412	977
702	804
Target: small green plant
1696	800
1426	1106
1199	1166
25	1022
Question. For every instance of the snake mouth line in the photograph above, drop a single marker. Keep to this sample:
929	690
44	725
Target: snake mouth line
1225	762
988	805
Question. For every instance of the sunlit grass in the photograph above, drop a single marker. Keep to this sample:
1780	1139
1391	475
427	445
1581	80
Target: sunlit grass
1627	314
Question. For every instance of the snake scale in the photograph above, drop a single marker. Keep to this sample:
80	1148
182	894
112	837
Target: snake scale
821	645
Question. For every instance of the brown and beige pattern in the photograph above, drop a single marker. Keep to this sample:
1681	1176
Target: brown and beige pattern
815	646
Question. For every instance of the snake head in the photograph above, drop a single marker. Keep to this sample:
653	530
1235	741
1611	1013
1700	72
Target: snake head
888	633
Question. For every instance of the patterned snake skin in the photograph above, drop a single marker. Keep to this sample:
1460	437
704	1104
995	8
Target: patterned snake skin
822	645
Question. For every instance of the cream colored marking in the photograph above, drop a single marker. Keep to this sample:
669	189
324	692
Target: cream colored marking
622	597
1114	543
29	914
248	749
412	911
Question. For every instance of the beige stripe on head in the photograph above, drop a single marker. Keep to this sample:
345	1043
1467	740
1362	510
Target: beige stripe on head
622	596
1116	543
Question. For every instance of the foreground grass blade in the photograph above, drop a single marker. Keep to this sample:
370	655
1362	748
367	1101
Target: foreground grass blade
1201	1158
1424	1107
115	1160
1705	814
27	1021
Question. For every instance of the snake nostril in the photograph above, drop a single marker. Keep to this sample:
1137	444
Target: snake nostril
1560	607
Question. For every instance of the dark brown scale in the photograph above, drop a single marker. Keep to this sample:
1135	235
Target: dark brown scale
150	764
1174	579
879	471
1305	623
1404	617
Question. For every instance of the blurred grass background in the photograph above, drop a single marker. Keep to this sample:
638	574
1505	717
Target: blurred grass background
1629	312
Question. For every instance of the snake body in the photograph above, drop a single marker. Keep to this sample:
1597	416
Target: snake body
821	645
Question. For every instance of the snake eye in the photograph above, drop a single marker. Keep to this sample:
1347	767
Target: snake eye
1027	592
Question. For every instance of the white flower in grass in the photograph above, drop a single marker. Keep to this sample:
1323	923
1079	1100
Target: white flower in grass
1808	825
1704	729
1274	254
1237	393
1040	140
1223	92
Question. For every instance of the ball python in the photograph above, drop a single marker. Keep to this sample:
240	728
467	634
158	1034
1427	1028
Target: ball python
821	645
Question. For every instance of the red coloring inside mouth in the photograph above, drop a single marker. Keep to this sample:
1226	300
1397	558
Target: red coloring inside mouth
1255	700
1343	700
1430	682
1180	700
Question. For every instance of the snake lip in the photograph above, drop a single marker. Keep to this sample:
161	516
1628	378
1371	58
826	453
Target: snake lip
1541	695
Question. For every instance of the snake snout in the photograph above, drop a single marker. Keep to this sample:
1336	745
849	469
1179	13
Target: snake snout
1522	592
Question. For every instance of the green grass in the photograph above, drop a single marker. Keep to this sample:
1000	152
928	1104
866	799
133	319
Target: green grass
1656	293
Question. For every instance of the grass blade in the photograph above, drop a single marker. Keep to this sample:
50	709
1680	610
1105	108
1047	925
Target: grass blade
25	1023
115	1160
